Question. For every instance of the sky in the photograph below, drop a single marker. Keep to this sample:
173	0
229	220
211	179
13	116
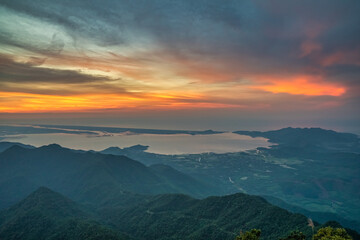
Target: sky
181	64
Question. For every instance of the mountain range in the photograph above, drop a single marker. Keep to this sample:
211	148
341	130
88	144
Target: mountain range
46	214
86	176
314	169
53	192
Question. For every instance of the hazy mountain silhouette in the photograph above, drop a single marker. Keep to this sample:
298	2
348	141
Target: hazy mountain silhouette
85	176
309	137
6	145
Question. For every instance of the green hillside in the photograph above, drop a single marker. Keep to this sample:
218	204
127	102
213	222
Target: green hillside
181	217
45	214
87	177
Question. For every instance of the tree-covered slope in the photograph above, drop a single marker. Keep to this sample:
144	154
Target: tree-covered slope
45	214
181	217
85	176
309	137
321	217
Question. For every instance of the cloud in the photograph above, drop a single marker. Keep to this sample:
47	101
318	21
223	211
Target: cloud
183	54
15	72
29	78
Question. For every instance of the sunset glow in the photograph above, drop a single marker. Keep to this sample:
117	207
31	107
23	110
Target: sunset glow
303	86
185	56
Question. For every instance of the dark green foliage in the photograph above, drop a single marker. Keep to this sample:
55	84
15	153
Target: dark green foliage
355	235
181	217
318	216
76	229
48	215
329	233
295	235
253	234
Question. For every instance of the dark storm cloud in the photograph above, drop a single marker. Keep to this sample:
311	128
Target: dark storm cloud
347	72
11	71
254	28
345	33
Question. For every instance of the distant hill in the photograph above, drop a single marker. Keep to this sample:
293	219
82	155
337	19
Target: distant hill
45	214
86	176
6	145
321	217
181	180
124	151
307	137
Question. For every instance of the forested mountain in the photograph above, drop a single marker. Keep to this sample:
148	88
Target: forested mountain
309	137
322	217
115	194
181	217
6	145
315	169
85	176
45	214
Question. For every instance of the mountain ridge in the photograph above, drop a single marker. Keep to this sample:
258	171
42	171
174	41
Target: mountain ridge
45	214
82	175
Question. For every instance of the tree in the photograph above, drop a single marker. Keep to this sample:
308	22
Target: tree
253	234
329	233
295	235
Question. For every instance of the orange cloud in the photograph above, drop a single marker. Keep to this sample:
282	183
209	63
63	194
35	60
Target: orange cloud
13	102
303	85
177	83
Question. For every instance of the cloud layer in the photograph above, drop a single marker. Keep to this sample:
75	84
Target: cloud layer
167	55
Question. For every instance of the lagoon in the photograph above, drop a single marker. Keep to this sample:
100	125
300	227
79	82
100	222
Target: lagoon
158	143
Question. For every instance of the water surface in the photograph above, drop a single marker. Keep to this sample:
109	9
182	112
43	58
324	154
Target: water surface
162	144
